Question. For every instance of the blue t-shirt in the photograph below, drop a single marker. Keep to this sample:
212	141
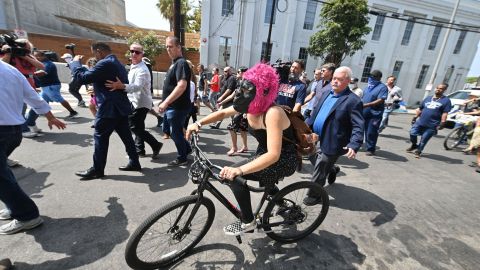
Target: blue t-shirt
289	94
432	110
51	78
369	95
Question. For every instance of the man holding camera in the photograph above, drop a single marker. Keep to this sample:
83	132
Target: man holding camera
113	108
73	86
293	94
14	91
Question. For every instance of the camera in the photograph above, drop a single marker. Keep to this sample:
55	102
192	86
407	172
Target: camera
71	47
283	70
16	48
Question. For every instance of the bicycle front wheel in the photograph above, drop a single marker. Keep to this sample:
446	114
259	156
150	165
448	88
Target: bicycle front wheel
287	219
164	237
454	138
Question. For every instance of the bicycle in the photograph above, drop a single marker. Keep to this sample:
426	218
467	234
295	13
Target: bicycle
174	230
462	131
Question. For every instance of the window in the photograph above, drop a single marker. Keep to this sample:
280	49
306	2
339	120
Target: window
224	50
266	55
435	35
227	7
367	68
396	68
377	31
421	77
310	15
448	74
268	11
408	32
303	54
460	40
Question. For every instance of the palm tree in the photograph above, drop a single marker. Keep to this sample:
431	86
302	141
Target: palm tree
166	9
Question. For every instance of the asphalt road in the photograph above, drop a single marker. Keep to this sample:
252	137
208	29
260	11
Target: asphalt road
389	211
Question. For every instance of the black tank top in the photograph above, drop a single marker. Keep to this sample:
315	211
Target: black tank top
261	136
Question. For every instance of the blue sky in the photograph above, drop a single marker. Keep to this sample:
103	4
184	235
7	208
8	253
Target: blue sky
147	15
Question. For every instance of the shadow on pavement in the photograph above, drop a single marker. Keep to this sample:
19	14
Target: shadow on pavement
352	163
396	137
384	155
83	240
31	181
70	138
78	119
205	257
442	158
324	250
158	179
357	199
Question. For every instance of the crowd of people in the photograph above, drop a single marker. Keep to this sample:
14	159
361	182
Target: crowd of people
343	115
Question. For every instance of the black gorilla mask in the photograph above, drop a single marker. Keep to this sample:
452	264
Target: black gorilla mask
243	96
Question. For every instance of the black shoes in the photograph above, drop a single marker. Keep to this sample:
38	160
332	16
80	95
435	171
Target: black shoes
177	162
412	148
332	176
89	174
156	151
141	154
131	167
370	153
309	201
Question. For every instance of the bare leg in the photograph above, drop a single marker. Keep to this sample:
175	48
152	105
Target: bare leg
243	134
234	148
67	106
93	109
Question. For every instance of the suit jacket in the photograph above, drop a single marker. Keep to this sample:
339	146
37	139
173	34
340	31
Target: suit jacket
111	104
344	124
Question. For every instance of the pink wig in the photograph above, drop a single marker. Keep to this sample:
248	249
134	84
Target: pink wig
264	77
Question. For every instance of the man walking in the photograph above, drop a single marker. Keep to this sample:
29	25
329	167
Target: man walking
113	108
323	86
374	96
393	98
14	91
228	86
74	86
431	116
176	99
140	96
203	87
339	123
293	94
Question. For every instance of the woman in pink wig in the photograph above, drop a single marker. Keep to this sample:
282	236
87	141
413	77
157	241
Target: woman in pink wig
274	158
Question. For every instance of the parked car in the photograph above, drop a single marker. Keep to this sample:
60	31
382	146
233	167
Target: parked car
460	96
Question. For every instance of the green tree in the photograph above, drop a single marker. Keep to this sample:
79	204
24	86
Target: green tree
471	79
342	25
194	21
150	42
166	9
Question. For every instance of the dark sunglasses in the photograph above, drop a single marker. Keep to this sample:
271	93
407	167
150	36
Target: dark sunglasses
135	52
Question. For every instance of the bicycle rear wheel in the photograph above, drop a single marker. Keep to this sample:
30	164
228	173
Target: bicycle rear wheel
454	138
163	238
287	206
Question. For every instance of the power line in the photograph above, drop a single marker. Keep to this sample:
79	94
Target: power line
224	19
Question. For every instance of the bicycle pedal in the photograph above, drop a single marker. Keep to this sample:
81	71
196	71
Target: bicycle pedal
239	239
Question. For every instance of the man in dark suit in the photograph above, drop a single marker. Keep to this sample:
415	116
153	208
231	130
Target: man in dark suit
113	108
338	121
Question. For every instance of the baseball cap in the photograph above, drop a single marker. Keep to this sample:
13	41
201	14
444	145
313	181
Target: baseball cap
242	69
66	55
376	74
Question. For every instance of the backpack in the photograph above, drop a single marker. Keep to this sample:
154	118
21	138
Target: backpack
305	139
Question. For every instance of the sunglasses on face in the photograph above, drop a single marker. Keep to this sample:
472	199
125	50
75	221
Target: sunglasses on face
135	52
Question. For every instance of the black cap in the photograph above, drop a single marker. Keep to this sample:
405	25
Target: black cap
242	69
376	74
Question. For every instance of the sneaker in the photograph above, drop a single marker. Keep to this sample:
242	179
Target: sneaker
30	134
82	104
13	163
5	214
16	226
5	264
177	162
72	114
417	154
35	129
412	148
370	153
239	228
309	201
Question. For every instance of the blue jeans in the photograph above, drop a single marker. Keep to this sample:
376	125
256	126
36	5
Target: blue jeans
425	132
371	132
11	194
31	117
386	114
176	119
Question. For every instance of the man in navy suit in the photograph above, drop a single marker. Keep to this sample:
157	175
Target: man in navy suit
113	108
338	121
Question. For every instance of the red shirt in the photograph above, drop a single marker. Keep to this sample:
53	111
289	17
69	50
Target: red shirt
25	68
215	86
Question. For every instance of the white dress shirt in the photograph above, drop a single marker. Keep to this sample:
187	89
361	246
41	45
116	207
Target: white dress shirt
138	88
14	91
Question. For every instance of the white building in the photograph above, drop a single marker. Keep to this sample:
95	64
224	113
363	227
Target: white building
234	32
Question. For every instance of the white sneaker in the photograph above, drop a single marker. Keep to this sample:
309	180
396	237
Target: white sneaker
16	226
12	163
5	214
35	129
239	228
29	134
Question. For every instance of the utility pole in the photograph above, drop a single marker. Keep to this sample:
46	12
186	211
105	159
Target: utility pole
440	53
274	5
177	21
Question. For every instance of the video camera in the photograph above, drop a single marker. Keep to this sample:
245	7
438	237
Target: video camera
16	48
283	69
71	48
